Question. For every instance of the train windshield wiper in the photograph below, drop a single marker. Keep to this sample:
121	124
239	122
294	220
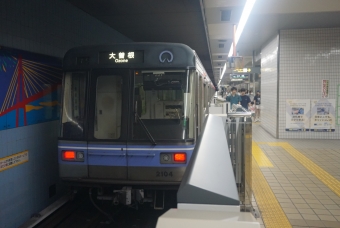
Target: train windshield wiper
146	130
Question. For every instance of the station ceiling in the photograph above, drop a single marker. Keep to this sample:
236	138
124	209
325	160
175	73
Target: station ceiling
207	25
178	21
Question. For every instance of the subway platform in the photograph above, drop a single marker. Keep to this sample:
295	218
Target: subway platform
296	183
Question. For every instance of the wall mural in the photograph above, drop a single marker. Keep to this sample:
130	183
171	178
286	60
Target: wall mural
29	88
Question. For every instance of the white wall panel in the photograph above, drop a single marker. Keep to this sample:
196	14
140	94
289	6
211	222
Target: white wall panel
269	80
306	57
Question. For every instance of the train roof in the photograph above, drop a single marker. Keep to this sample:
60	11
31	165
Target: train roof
133	55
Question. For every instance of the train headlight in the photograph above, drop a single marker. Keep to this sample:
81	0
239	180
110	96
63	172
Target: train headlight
80	155
166	157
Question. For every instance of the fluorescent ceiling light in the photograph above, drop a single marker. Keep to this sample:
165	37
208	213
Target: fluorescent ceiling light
244	17
231	50
223	71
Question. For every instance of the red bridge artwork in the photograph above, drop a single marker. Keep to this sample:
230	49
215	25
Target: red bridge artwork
29	82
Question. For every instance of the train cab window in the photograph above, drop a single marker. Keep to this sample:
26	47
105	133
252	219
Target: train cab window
108	111
163	103
73	115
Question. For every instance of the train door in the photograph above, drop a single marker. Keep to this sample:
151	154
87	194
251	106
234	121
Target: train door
200	102
108	130
197	114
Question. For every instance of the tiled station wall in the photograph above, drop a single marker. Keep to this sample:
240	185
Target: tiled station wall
307	56
50	28
269	79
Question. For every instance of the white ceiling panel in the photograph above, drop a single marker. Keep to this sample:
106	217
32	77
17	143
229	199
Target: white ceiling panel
222	3
198	24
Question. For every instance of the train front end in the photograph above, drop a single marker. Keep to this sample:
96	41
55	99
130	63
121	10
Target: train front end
129	116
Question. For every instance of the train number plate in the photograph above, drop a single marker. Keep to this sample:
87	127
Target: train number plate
163	174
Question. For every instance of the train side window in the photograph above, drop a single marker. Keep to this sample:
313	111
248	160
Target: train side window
108	111
73	115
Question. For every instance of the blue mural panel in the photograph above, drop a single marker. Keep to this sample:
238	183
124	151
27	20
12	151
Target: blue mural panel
29	88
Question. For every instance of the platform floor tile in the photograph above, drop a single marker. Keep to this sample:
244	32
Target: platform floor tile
304	178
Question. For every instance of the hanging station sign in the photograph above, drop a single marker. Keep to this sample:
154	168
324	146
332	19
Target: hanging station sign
250	70
121	57
323	115
239	76
297	114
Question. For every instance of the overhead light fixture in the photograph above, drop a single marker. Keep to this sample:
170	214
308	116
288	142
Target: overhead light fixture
244	17
223	71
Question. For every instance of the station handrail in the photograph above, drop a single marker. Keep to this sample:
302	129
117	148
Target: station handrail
239	114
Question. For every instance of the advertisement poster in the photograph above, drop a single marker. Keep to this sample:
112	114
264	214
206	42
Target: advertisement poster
325	85
297	114
323	115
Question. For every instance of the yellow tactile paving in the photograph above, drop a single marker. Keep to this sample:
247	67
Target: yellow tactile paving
320	173
271	211
260	157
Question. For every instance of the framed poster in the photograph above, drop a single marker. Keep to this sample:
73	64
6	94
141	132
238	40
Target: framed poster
297	114
323	115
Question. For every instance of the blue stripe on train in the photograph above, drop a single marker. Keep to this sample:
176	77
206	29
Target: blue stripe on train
149	156
119	155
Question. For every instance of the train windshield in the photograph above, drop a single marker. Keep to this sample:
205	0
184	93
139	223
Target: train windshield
73	105
164	103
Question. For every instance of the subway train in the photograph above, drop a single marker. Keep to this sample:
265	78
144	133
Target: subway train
131	114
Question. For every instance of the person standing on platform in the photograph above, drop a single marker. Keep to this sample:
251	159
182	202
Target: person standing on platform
257	100
251	95
252	109
233	98
245	102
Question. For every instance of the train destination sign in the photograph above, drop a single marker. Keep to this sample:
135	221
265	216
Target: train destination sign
121	57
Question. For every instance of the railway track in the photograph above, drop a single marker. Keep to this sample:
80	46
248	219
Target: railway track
81	213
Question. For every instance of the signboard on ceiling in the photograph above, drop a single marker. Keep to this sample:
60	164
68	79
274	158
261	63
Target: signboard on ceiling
121	57
239	76
322	115
297	114
250	70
